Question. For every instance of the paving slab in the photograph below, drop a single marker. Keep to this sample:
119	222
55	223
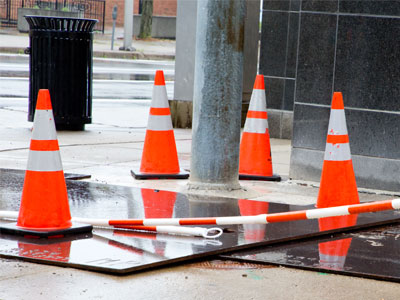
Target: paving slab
193	281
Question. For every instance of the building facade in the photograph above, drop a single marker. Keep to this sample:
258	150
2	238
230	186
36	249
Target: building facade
160	8
309	49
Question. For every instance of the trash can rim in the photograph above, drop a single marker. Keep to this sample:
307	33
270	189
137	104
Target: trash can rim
61	18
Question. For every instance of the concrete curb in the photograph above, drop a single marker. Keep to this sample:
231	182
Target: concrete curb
105	54
100	61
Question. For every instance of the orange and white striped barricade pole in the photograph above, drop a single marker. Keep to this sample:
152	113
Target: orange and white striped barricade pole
159	157
255	161
203	238
176	230
237	220
44	209
259	219
338	183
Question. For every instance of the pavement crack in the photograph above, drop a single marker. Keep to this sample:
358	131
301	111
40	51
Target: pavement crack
117	126
11	109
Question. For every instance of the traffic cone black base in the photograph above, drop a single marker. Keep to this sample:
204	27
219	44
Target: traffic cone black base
76	228
274	177
138	175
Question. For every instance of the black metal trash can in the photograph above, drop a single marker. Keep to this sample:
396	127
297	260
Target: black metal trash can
61	60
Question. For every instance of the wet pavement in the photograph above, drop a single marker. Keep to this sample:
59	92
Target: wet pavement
102	89
12	41
107	150
17	65
125	252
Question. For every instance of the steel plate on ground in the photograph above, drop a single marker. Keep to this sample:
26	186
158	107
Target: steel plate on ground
372	253
122	252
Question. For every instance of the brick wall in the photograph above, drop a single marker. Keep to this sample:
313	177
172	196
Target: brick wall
160	8
164	7
109	7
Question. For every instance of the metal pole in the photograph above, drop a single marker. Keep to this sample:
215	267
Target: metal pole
112	35
128	26
114	17
217	95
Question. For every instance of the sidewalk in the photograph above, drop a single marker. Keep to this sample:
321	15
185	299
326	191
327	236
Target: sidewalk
12	41
107	150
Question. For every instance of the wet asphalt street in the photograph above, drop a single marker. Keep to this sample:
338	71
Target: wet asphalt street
113	78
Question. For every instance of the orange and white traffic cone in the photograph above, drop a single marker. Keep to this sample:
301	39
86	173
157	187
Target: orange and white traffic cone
253	232
255	162
159	157
338	183
44	209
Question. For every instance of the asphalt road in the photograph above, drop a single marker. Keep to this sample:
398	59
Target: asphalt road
14	87
113	78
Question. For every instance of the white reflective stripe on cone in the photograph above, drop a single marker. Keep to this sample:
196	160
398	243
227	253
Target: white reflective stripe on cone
44	161
337	152
257	101
337	122
159	123
160	98
43	126
254	125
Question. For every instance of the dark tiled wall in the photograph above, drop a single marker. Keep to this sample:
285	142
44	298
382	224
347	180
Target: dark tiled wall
278	54
309	49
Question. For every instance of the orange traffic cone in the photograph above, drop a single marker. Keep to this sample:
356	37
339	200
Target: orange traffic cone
332	254
255	161
338	183
44	209
253	232
159	157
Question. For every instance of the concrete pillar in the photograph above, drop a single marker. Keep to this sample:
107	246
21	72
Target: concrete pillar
181	105
217	97
185	49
